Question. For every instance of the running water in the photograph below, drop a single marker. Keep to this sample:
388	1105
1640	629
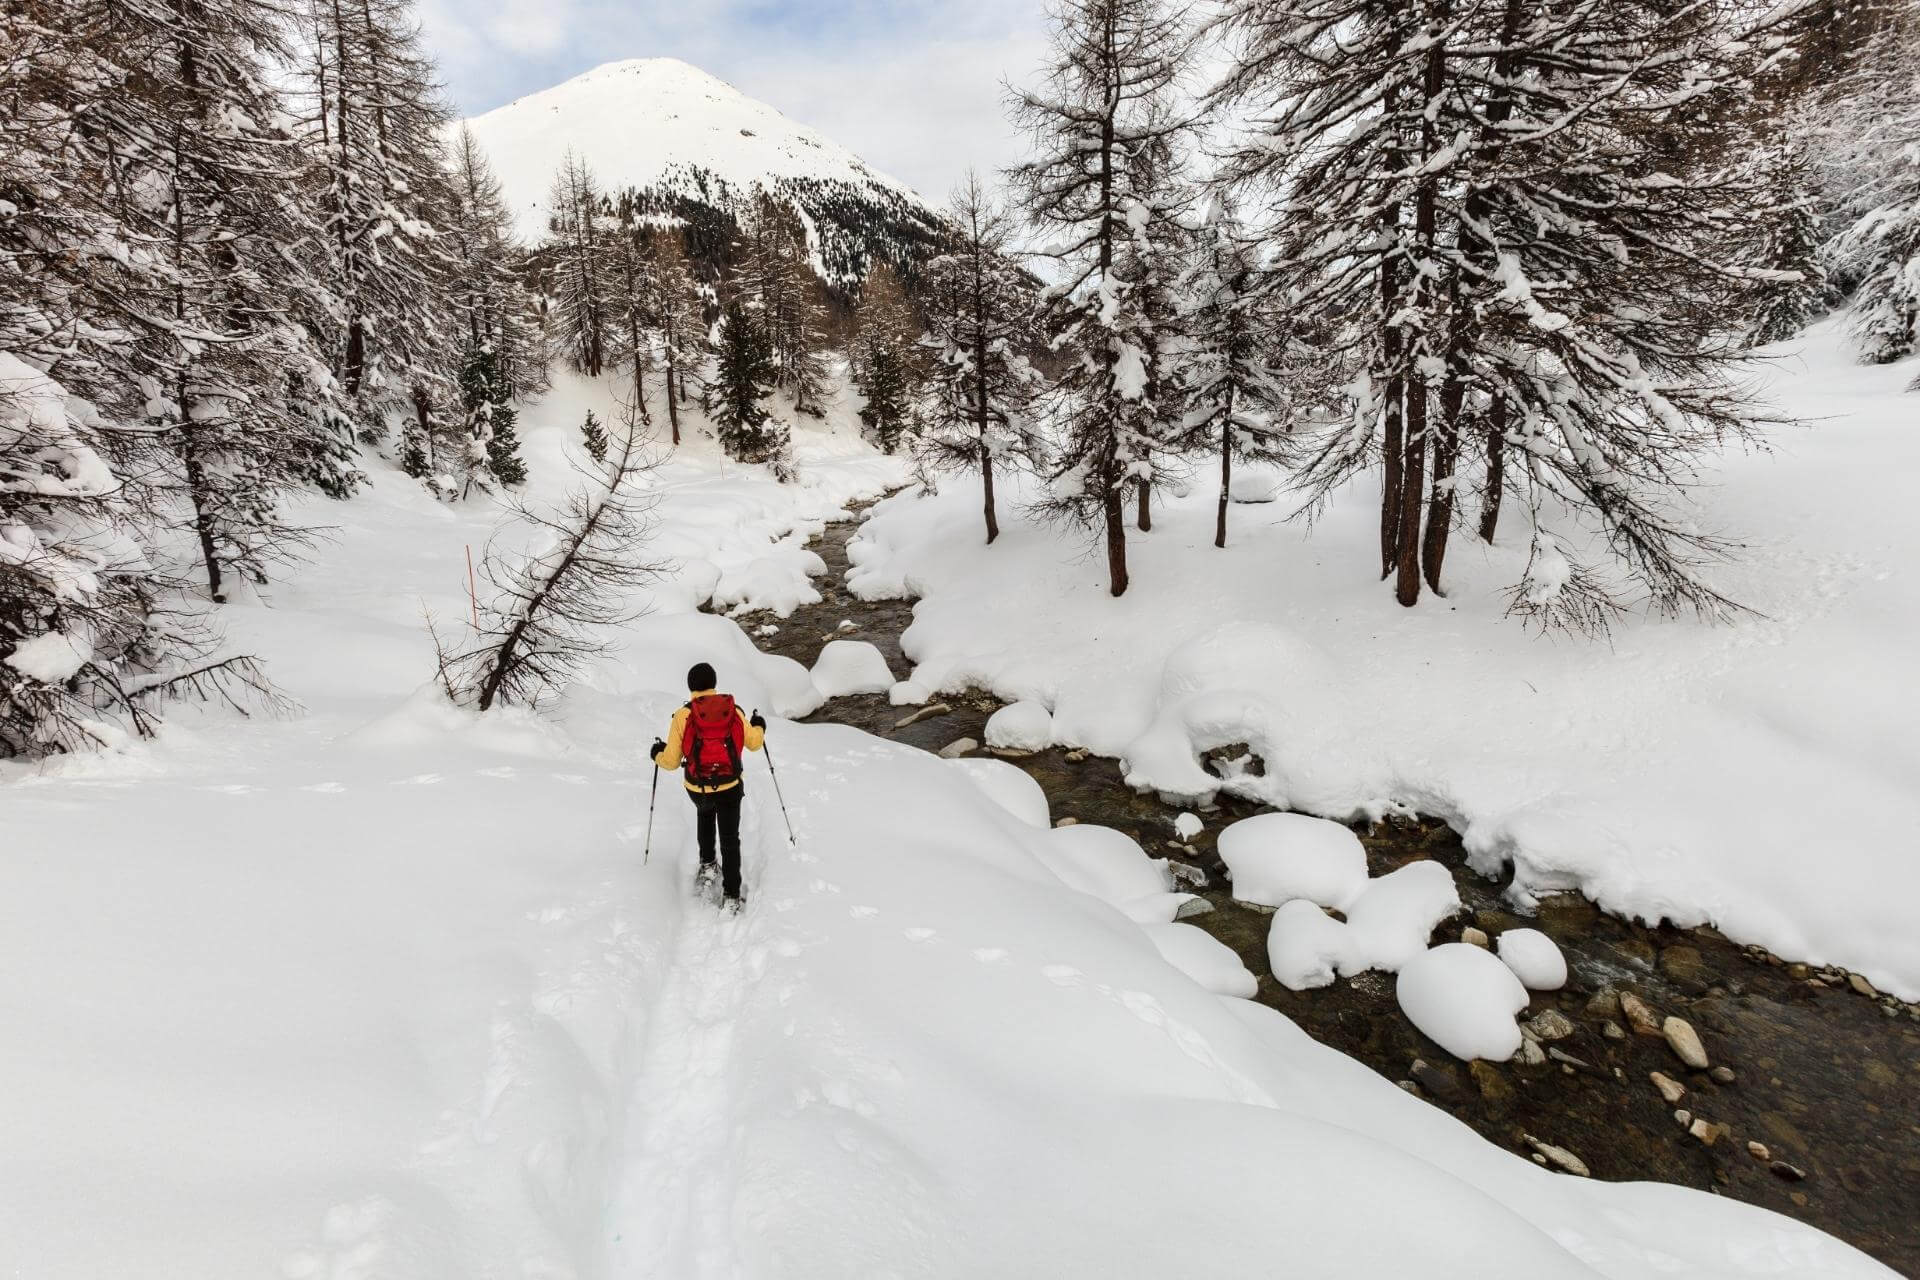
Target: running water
1820	1076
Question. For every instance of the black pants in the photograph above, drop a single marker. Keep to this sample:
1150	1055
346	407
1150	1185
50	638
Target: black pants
717	814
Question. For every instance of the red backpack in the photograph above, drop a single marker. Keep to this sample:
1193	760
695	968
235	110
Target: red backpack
713	740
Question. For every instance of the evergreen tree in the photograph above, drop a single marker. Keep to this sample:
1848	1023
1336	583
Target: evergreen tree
491	416
576	249
1795	282
1525	209
885	358
1102	126
374	118
493	295
593	437
774	275
976	409
1228	386
633	293
742	381
1869	137
677	306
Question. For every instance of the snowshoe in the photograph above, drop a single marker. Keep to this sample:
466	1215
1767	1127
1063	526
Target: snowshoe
706	878
732	906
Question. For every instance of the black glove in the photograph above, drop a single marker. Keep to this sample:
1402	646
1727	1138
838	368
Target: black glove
757	720
659	745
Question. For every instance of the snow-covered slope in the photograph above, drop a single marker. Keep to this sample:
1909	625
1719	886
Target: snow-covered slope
387	992
658	124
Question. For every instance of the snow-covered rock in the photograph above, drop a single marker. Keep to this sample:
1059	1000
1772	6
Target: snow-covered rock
1021	726
1011	787
1464	999
1188	825
1204	958
1390	922
1106	864
1534	958
1306	947
851	666
1274	858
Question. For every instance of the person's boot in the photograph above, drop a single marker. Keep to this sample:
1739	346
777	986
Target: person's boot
704	879
732	906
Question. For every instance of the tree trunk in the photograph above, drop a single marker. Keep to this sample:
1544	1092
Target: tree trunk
673	406
1226	480
1412	480
1144	489
1496	470
202	521
1395	444
1116	521
1446	450
426	429
986	485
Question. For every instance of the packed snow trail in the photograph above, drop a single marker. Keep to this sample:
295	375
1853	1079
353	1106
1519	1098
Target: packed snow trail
673	1217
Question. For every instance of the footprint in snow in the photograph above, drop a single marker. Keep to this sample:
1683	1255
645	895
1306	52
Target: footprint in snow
571	779
862	913
921	935
418	780
990	955
230	789
1064	975
325	788
824	886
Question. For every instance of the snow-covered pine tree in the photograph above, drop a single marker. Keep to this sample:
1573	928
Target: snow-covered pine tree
490	418
1869	139
1101	126
576	250
1533	224
550	612
1788	304
1234	336
631	294
742	380
678	309
773	272
197	179
497	304
374	118
977	406
885	357
593	438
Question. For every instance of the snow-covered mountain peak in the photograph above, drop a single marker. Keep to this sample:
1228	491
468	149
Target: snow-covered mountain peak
660	123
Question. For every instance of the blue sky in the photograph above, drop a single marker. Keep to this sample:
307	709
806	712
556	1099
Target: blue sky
912	86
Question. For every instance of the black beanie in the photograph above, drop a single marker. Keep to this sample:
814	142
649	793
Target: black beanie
701	677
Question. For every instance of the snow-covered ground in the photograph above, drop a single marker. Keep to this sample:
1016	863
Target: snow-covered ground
385	992
1762	776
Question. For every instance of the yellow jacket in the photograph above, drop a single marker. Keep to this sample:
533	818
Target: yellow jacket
677	733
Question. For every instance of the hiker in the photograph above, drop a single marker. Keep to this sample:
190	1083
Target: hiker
706	738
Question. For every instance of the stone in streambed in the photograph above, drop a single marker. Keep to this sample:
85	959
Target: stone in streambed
1473	937
1613	1030
1641	1019
1604	1003
1685	1042
959	747
1437	1081
1493	1086
1558	1157
1758	1150
1861	985
924	713
1723	1075
1671	1090
1781	1169
1551	1025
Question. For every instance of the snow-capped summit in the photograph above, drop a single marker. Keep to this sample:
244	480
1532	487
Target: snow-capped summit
660	125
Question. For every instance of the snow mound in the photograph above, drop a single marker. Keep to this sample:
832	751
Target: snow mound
1465	1000
1188	825
1255	486
1274	858
1021	726
1010	787
851	666
1204	958
1306	947
1534	958
1106	864
1390	922
1253	683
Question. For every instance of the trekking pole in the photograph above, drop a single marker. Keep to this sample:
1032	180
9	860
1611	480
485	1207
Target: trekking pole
651	794
785	816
